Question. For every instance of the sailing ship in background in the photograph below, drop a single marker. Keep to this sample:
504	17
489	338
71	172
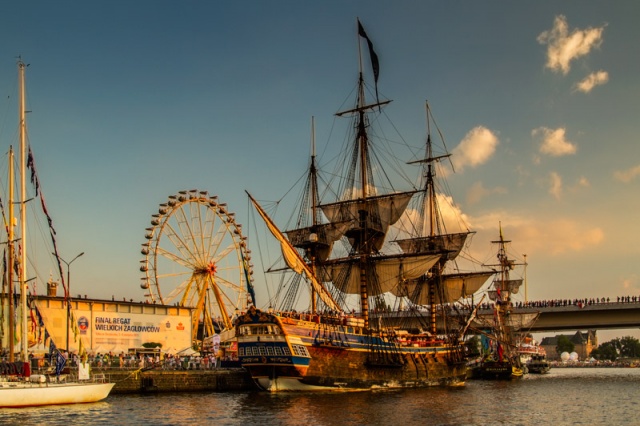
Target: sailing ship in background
376	313
505	331
18	387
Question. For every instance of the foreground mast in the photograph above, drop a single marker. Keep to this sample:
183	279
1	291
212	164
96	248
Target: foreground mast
23	214
25	389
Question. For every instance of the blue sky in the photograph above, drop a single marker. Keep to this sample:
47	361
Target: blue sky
133	101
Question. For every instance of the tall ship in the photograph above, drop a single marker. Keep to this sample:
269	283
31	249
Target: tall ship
377	266
504	333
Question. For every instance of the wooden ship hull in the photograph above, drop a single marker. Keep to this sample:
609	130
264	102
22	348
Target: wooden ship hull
301	352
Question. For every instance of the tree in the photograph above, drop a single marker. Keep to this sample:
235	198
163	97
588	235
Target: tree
626	347
606	351
473	347
564	344
629	347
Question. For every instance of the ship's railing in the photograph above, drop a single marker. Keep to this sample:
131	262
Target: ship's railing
328	319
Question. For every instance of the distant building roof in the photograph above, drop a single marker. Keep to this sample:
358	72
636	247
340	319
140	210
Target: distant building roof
579	338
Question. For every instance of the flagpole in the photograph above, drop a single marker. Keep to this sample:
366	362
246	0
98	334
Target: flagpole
359	25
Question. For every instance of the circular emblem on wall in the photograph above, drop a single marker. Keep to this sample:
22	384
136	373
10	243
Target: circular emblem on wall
83	324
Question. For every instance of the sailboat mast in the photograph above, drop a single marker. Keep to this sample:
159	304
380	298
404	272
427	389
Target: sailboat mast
11	260
23	212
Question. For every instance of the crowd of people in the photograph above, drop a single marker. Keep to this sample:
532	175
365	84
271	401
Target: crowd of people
580	303
136	361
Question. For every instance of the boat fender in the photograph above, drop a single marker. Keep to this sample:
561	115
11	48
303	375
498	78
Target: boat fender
38	378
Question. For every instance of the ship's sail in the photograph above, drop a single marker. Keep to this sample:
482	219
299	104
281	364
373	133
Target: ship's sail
454	287
312	234
319	238
372	215
388	273
449	245
511	286
293	258
504	285
516	321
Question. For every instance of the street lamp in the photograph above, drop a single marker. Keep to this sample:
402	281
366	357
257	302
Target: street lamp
68	295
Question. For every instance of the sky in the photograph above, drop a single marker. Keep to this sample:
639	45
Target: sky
131	102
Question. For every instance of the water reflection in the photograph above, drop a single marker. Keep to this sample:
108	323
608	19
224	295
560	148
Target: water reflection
590	396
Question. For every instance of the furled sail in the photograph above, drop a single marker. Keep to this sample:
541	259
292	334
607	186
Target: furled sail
293	258
513	286
448	244
515	320
521	321
321	237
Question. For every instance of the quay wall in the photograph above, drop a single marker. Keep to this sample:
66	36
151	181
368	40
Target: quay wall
154	381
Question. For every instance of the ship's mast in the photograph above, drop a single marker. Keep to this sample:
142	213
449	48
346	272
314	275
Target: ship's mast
11	260
503	303
432	207
314	206
23	212
363	145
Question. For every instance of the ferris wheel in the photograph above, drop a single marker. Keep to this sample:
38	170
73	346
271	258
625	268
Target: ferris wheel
196	256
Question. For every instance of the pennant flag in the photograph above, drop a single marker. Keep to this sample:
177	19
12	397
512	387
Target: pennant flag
375	65
31	165
52	351
47	339
60	362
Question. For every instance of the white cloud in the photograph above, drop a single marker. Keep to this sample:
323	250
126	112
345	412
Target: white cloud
450	213
476	148
563	46
628	175
583	182
540	235
592	80
630	284
554	142
555	185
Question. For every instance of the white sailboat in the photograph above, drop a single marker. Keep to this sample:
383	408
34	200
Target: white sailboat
18	387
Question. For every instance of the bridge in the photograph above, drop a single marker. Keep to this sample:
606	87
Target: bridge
599	316
555	317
